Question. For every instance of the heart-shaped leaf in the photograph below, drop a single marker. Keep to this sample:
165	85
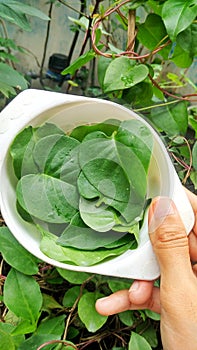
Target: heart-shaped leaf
122	73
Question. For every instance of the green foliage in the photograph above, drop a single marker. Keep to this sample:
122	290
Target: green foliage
137	342
12	81
178	15
84	199
16	12
32	312
41	304
87	312
30	297
122	73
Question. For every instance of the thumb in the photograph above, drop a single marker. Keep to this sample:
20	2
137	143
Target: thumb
169	239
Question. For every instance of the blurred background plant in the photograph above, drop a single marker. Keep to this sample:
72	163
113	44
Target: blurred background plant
11	81
137	53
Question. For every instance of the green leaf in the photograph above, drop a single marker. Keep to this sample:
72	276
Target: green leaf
156	6
79	62
26	9
21	152
54	325
137	342
88	314
80	236
7	340
178	15
15	255
58	200
187	40
22	147
149	332
49	303
22	296
193	177
82	258
116	284
11	77
73	277
153	315
82	22
122	73
98	218
37	340
138	137
103	63
193	124
139	95
57	156
172	119
194	156
7	90
17	18
181	58
15	12
116	183
152	32
127	318
71	296
107	127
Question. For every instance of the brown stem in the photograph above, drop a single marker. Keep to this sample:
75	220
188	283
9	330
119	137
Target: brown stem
45	44
87	35
75	305
56	342
131	30
165	92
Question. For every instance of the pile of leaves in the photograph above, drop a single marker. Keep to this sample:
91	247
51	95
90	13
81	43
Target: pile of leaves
86	191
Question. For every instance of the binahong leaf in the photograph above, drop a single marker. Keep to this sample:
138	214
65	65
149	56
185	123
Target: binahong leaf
88	314
152	32
24	302
137	342
51	200
79	62
172	119
22	147
15	255
80	236
178	15
122	73
78	257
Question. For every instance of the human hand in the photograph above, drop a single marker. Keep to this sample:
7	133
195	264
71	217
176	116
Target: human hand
177	297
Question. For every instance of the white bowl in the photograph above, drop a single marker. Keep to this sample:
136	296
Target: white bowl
34	107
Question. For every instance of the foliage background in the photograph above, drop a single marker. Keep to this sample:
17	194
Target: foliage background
45	307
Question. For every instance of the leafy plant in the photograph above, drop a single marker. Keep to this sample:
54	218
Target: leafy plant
12	81
90	196
147	71
65	319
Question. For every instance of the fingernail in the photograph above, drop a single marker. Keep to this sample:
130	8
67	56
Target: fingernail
102	299
134	287
159	209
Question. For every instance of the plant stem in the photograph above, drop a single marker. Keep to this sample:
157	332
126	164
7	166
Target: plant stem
155	106
131	30
45	44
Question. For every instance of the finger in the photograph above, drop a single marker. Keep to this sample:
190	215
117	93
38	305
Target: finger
169	239
119	302
193	246
140	292
193	200
195	269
